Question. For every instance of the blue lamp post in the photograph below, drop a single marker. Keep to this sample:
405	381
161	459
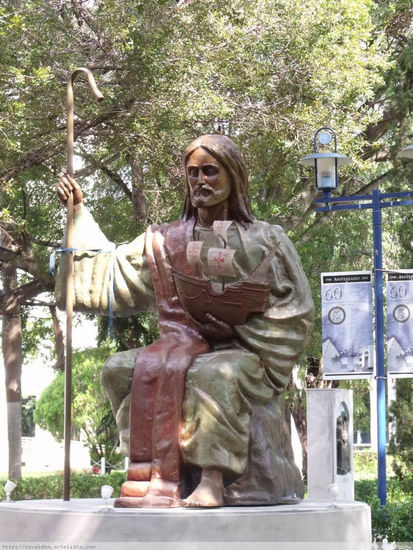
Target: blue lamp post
326	180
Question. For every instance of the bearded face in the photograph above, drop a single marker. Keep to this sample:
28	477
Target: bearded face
209	183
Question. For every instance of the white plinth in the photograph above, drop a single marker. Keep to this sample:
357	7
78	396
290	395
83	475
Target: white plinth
85	521
323	409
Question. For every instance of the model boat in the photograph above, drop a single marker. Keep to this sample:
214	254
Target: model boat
233	305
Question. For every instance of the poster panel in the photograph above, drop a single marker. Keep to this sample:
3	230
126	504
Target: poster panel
399	289
347	325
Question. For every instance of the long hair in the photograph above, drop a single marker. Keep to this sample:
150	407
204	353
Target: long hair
227	153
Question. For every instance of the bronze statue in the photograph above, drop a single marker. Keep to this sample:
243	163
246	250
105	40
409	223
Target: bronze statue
235	311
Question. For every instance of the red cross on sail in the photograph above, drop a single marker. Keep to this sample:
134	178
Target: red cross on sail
220	262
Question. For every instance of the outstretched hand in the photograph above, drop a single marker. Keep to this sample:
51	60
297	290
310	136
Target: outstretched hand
215	329
66	186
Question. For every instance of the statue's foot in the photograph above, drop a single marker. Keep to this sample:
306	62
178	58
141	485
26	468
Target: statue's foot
137	484
163	488
209	493
160	494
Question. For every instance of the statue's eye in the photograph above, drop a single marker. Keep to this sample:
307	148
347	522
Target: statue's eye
193	172
210	170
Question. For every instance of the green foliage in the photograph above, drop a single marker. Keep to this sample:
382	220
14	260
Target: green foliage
365	464
267	73
49	411
395	520
51	486
37	335
131	332
28	406
401	443
92	414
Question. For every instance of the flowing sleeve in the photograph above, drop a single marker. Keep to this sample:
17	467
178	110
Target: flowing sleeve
96	262
280	335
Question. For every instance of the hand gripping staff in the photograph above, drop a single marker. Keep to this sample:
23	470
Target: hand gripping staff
69	268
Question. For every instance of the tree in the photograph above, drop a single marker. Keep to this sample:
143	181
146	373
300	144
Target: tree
12	354
92	414
266	73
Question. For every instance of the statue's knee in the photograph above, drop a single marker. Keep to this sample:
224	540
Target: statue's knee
116	373
122	415
122	422
204	373
106	374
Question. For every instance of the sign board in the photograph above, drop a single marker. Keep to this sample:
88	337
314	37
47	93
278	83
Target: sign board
347	325
399	289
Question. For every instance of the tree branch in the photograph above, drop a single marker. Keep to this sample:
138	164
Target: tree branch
49	244
114	176
11	300
325	216
42	154
138	196
7	243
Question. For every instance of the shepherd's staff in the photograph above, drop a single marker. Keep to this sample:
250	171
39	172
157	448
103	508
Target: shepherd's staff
69	271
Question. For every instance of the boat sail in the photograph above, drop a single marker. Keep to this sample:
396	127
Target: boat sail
200	296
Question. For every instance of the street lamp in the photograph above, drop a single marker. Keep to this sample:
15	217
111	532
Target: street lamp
325	165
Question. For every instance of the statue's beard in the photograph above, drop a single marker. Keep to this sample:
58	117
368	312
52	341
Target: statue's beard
204	196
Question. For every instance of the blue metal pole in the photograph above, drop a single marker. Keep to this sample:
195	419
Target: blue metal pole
376	204
380	371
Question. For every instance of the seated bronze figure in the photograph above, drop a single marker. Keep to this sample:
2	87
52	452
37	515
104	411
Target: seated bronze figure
200	411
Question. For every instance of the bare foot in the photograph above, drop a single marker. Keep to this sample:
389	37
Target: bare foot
209	493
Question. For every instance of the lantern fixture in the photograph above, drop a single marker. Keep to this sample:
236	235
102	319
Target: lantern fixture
327	162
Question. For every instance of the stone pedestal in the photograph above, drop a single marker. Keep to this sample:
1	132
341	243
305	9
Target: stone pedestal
330	444
320	525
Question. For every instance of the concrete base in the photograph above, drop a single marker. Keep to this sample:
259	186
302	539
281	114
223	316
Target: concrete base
88	520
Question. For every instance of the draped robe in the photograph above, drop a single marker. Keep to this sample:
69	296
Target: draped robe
190	396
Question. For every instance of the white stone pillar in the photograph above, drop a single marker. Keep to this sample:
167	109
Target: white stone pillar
296	445
330	468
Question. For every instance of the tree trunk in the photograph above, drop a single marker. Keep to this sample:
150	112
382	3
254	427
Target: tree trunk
138	196
12	355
